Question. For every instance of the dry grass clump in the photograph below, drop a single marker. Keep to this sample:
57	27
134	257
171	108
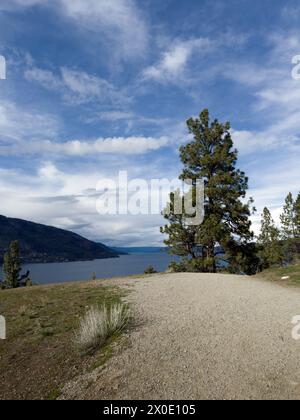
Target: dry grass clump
100	323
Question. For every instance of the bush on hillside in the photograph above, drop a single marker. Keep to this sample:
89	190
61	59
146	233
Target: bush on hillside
100	323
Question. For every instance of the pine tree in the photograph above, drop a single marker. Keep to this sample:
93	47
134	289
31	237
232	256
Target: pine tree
288	227
12	269
297	217
269	242
287	218
210	156
297	227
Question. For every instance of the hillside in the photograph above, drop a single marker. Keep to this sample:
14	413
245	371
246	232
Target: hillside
179	335
39	356
40	243
289	275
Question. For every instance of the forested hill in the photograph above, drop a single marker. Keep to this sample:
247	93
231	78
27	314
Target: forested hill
40	243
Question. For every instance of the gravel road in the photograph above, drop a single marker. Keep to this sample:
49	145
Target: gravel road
203	336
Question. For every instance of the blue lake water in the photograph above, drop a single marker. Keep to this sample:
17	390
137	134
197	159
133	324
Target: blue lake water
112	267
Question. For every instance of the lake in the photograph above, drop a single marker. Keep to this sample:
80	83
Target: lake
125	265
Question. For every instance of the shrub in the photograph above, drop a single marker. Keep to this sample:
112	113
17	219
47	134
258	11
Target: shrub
150	270
100	323
196	265
179	267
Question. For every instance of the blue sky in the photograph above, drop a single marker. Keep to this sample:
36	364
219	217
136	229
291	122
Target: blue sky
98	86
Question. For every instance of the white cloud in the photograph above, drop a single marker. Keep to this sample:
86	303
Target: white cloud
249	74
115	115
173	63
78	87
120	145
46	78
281	135
15	4
291	12
276	98
63	198
273	149
119	20
48	171
27	132
273	181
18	124
131	119
285	92
85	88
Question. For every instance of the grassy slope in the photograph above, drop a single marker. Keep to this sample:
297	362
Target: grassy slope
38	357
275	274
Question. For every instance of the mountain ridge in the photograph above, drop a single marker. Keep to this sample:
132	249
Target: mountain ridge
41	243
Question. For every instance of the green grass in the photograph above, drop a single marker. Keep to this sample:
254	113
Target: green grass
275	274
38	357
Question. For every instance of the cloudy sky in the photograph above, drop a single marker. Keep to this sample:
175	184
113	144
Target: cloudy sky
98	86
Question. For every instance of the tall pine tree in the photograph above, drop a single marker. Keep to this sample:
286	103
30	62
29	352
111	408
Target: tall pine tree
297	226
287	218
210	156
288	228
269	242
297	216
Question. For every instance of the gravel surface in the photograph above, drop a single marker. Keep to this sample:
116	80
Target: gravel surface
203	336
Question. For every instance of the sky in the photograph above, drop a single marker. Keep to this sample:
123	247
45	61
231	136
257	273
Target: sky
94	87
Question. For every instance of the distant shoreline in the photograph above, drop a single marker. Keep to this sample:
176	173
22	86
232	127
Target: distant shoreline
140	250
54	260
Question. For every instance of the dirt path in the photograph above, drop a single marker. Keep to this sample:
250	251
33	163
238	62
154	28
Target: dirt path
203	337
